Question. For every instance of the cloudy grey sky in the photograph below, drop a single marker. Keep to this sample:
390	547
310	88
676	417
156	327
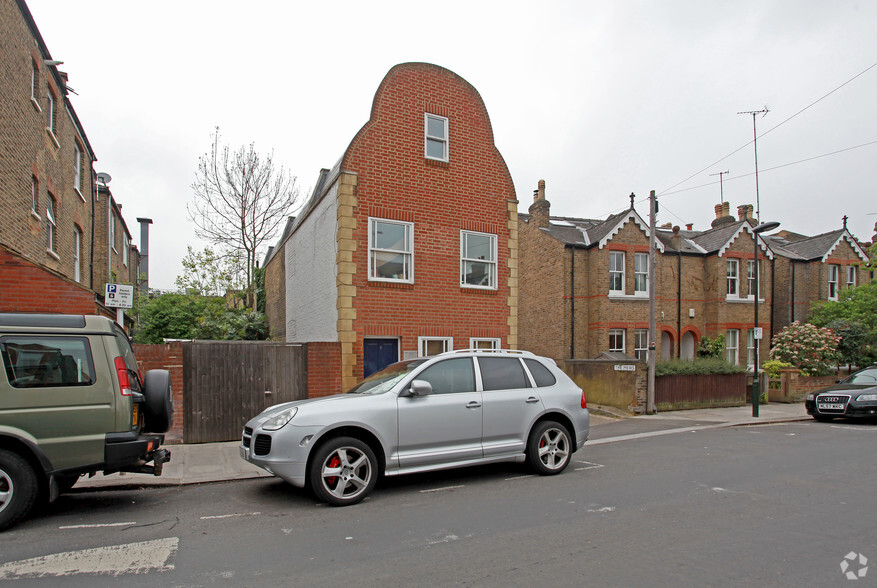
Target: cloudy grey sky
600	99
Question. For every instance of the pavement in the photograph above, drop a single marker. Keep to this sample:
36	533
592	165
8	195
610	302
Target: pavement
218	462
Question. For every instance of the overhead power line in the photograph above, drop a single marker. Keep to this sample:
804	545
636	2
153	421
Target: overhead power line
812	104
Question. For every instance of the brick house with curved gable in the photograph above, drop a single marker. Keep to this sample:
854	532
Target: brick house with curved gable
408	245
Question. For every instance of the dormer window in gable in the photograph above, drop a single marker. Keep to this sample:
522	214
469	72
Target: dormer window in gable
851	276
832	282
616	272
733	278
436	137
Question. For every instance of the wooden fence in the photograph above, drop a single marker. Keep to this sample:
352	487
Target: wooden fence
706	391
226	383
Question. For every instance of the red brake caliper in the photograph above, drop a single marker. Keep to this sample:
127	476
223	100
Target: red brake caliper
333	463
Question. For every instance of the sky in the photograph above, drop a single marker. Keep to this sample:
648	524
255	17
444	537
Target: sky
599	99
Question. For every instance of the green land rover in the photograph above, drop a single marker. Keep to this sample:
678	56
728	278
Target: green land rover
73	402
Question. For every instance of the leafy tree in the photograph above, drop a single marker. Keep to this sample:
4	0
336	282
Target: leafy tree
811	349
854	315
241	201
232	324
207	274
168	316
711	347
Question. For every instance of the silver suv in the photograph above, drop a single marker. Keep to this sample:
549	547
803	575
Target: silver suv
459	408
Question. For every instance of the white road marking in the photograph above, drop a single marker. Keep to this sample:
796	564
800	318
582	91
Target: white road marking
97	526
604	509
229	516
114	560
441	489
520	477
445	539
589	465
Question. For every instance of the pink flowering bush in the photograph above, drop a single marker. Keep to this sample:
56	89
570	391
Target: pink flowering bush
811	349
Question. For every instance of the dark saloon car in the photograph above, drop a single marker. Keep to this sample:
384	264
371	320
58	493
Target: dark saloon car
855	396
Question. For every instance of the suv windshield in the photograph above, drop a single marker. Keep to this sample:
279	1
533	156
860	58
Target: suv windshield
380	382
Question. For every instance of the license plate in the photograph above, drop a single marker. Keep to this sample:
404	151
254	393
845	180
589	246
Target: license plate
830	406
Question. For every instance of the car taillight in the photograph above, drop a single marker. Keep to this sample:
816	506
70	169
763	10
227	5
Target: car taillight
122	374
584	400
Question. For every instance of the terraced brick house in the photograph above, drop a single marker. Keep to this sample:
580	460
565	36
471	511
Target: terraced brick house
585	288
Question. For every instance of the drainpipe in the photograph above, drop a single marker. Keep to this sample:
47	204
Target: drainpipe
773	290
792	305
679	304
572	304
143	278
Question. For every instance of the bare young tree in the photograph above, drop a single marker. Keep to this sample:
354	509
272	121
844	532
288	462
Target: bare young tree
241	201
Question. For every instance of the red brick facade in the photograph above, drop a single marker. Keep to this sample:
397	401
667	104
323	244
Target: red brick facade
386	175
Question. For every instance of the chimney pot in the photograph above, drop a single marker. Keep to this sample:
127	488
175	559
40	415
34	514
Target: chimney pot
689	226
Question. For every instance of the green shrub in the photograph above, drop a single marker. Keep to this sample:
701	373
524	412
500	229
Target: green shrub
774	366
811	349
698	367
711	348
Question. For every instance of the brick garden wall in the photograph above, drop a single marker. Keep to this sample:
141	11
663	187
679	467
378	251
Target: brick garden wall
166	356
324	369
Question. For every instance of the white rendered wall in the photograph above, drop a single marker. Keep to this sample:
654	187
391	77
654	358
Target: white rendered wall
311	291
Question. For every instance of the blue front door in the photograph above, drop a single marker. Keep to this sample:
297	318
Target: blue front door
378	354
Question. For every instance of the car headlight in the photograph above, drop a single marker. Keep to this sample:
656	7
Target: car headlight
866	397
279	420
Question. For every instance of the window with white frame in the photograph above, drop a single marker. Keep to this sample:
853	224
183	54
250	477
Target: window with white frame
851	276
427	346
641	273
478	260
750	349
641	344
126	244
35	84
732	346
77	168
50	224
391	250
484	343
616	271
35	196
436	130
733	278
616	340
113	232
50	112
832	282
77	254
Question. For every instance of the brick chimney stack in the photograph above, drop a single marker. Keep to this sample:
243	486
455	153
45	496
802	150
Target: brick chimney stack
541	208
723	215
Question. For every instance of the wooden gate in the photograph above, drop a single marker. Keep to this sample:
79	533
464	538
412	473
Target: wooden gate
226	383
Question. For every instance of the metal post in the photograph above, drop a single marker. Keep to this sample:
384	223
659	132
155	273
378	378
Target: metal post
650	394
755	339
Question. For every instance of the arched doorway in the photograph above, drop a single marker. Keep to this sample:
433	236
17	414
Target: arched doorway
666	345
688	345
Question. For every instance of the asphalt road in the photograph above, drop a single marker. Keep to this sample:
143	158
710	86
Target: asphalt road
779	505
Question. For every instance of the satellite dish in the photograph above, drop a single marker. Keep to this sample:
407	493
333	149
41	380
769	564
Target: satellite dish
104	178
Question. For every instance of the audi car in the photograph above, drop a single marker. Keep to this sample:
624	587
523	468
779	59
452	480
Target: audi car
855	396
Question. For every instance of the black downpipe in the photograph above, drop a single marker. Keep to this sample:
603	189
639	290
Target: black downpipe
572	304
773	291
679	304
792	302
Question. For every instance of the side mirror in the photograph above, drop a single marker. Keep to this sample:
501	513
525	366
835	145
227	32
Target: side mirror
417	388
